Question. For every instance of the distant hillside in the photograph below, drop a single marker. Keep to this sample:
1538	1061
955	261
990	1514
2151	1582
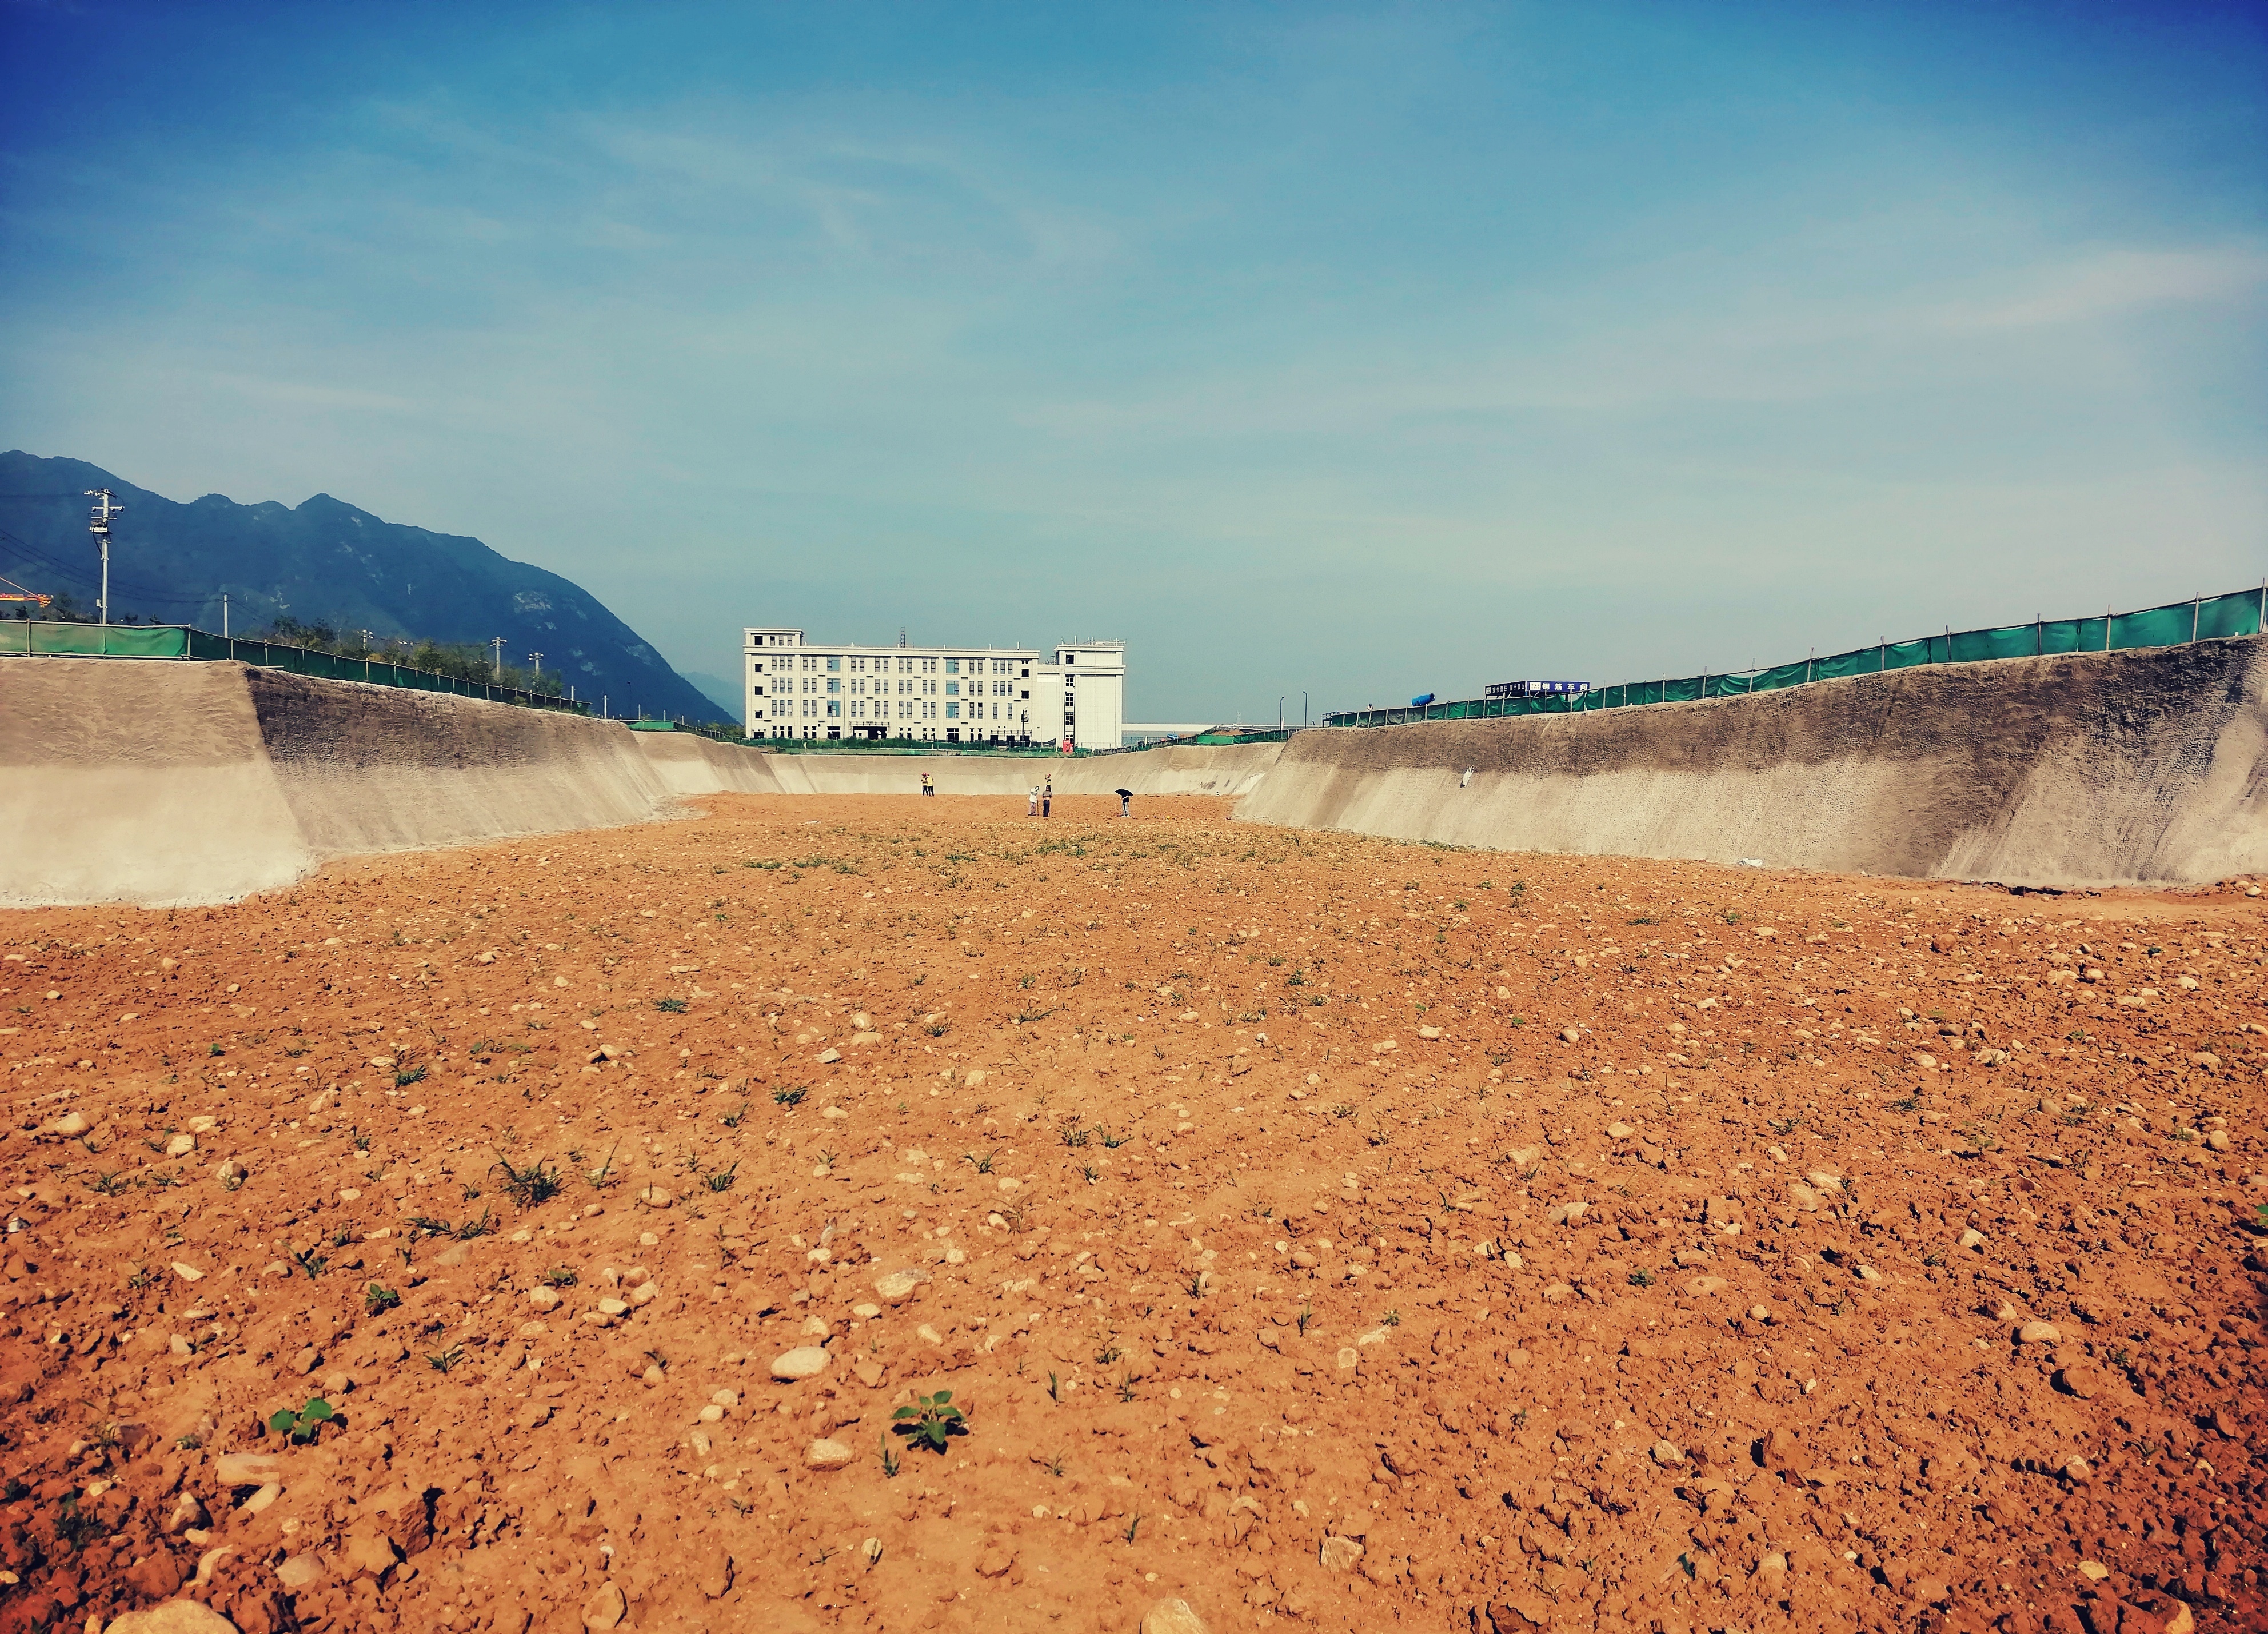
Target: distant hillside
722	693
321	561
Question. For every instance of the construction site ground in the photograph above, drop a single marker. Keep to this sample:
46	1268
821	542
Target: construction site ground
1315	1229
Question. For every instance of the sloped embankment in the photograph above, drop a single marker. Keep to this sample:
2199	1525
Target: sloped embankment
162	783
2079	769
691	765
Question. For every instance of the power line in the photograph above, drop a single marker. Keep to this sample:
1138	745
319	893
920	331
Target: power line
79	575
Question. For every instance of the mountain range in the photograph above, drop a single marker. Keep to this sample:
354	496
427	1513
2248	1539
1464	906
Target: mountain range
321	561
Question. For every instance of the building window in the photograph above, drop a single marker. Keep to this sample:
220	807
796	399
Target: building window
953	666
835	663
952	688
952	712
833	708
835	686
929	667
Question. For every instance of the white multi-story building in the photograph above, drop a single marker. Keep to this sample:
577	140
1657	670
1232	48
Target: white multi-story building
1004	696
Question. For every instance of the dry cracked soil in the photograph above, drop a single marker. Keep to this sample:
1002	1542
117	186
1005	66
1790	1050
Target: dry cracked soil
1307	1228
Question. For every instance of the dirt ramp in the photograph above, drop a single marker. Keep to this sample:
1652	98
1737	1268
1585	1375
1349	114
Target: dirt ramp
2080	770
170	783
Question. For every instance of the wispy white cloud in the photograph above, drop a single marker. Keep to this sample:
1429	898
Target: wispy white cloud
2113	284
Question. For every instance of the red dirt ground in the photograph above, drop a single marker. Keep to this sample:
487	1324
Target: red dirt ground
1233	1166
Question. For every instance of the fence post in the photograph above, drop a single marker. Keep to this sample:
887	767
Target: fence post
2196	602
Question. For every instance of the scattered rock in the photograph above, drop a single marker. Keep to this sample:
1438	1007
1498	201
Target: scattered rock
2038	1332
828	1455
653	1197
605	1608
896	1287
187	1272
242	1470
71	1125
1667	1453
1972	1239
299	1572
1173	1616
173	1616
1339	1554
807	1361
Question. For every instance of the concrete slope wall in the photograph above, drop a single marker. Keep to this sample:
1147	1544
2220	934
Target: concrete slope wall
688	764
125	780
1229	769
168	783
383	768
2080	770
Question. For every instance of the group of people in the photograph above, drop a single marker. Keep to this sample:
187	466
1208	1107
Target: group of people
1041	799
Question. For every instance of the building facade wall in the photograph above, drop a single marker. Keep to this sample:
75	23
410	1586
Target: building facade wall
1005	696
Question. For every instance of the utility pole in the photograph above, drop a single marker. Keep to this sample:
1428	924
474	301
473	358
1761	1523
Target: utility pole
536	658
499	645
105	507
223	614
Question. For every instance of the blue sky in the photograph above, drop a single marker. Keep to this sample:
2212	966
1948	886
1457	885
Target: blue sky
1365	350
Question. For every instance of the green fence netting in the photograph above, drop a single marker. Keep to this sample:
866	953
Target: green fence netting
37	637
2203	618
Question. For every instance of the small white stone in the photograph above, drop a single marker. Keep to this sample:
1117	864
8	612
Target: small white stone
807	1361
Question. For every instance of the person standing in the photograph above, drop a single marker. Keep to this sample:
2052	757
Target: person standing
928	789
1031	801
1125	802
1047	795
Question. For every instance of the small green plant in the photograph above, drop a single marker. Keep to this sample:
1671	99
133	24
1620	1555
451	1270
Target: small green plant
1075	1136
1641	1277
1054	1388
671	1007
1344	1109
1307	1315
108	1184
731	1120
404	1076
1133	1527
300	1427
1126	1385
984	1165
1906	1103
932	1422
936	1029
188	1443
889	1460
721	1179
215	1049
787	1097
1732	918
377	1299
561	1277
444	1360
310	1262
1054	1465
529	1184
